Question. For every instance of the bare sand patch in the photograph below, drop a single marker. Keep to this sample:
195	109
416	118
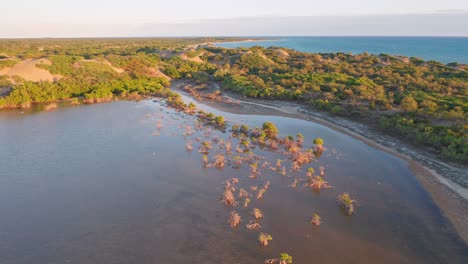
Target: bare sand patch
27	70
105	62
194	59
156	72
281	53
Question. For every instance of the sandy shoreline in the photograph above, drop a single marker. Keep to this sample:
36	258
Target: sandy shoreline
229	42
450	197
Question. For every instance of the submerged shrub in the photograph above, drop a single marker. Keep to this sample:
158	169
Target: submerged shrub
189	146
219	162
346	203
228	198
257	213
264	239
294	183
318	142
270	130
244	129
315	220
317	183
283	259
234	219
253	225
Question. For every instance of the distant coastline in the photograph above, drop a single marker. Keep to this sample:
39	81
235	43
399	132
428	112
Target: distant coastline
441	49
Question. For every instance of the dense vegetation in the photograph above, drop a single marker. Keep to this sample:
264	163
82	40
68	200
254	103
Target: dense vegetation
94	70
424	101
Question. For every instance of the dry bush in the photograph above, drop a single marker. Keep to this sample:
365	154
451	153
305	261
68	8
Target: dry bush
234	219
228	147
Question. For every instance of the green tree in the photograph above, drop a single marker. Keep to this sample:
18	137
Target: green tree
409	104
270	129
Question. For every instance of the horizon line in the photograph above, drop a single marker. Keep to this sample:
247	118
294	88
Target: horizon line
244	37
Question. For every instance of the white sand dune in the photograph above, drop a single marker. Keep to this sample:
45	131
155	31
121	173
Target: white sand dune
27	70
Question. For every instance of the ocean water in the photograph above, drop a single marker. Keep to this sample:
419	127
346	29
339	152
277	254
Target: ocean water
443	49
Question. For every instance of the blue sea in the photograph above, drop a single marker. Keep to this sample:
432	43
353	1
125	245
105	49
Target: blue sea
443	49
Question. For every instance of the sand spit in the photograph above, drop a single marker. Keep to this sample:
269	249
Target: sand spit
27	70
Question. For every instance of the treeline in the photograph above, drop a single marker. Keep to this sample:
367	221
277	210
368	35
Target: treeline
28	93
450	142
396	89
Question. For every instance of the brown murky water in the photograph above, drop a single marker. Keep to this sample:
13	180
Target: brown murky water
101	184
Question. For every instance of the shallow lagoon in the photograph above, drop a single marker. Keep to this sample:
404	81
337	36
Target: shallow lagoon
101	184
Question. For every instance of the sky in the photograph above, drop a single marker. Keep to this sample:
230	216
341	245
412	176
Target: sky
65	18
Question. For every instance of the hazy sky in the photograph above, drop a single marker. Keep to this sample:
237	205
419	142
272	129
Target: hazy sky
54	17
